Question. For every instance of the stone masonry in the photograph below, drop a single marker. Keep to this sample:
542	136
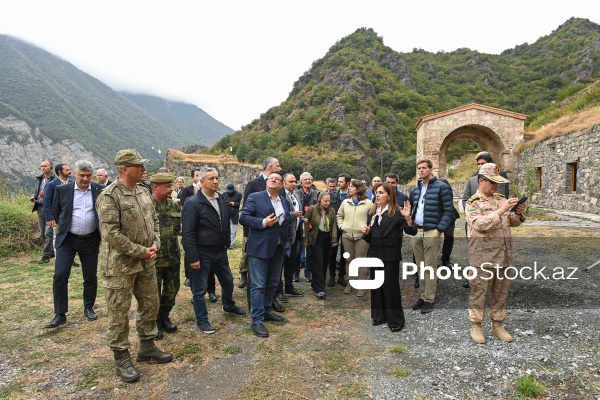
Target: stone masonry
554	160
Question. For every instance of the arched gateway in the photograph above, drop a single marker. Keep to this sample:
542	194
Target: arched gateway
492	129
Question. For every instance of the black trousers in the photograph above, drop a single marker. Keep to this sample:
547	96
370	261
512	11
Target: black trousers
386	301
319	258
87	248
289	266
333	262
448	243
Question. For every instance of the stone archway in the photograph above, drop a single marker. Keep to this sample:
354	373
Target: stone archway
492	129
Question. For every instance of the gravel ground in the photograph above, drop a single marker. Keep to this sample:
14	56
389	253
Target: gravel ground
555	325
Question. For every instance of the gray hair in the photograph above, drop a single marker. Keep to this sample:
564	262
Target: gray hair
84	165
178	178
306	174
268	161
203	172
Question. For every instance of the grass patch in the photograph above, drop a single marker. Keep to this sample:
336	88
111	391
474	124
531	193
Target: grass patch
528	386
401	372
233	349
88	380
398	349
188	349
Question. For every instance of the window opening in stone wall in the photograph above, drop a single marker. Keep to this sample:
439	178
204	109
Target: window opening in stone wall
572	169
539	179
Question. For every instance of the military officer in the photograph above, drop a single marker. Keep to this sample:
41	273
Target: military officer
489	218
130	242
168	259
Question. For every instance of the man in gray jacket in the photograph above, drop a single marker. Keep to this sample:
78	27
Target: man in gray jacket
473	184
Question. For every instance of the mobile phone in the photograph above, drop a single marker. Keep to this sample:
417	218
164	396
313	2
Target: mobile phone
522	200
279	216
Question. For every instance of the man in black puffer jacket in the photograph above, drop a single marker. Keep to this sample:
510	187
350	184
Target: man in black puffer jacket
432	212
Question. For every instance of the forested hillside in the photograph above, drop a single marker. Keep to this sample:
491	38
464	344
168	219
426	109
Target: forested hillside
357	106
63	105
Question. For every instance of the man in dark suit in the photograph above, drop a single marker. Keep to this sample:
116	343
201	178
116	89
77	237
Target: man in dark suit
267	216
257	184
102	177
74	208
186	192
290	263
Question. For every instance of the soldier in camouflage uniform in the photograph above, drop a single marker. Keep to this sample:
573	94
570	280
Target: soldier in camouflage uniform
490	244
130	242
168	260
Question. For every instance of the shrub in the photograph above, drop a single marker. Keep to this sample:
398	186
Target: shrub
528	386
17	225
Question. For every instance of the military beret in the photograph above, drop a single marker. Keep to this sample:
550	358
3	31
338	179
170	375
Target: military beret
161	177
129	157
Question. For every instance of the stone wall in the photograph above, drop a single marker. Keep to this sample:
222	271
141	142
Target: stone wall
230	170
554	159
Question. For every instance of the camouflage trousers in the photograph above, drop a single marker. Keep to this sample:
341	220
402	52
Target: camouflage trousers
495	288
118	292
168	282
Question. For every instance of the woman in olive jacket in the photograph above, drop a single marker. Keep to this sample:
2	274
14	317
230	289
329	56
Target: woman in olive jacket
320	232
351	218
386	224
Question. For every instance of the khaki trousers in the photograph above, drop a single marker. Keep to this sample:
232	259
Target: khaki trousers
118	292
426	246
481	289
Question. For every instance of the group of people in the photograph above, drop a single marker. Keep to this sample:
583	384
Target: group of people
131	230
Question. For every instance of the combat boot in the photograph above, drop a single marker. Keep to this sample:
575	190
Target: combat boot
124	367
477	333
243	280
166	323
149	352
499	331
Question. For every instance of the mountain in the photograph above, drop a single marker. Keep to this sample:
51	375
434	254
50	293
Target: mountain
356	107
51	109
187	119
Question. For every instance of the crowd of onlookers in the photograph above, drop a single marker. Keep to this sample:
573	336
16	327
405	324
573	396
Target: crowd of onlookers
127	232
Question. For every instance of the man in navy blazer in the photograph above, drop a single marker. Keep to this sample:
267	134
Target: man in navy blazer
266	214
74	208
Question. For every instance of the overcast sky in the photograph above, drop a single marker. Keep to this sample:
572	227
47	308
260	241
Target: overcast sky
236	59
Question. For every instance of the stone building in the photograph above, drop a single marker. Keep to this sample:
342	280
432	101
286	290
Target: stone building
564	161
492	129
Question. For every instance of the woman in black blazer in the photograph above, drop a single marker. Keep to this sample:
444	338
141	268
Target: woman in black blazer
384	230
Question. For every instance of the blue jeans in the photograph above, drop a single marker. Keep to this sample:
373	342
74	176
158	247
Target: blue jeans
217	262
264	277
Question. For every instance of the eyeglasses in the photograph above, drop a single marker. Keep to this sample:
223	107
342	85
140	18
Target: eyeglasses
274	179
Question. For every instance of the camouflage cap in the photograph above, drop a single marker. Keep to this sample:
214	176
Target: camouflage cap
161	177
129	157
492	172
